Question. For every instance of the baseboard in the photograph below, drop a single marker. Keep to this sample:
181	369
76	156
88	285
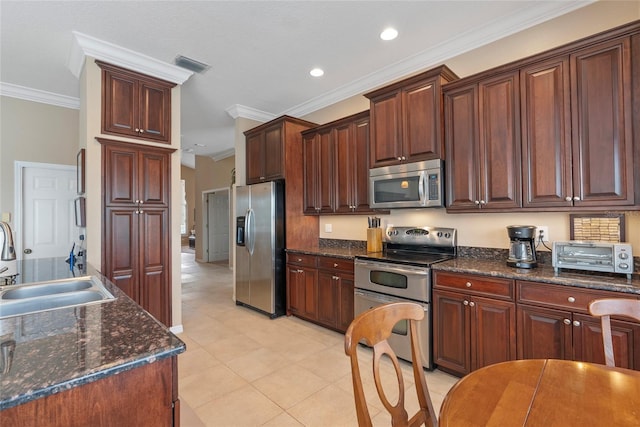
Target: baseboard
177	329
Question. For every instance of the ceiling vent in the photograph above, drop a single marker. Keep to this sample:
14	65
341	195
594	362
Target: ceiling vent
191	64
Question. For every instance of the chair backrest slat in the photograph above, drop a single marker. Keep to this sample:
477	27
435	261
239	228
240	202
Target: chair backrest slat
607	307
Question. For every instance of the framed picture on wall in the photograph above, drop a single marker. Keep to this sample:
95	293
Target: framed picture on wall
80	170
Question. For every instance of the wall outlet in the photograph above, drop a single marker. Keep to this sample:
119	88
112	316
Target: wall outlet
328	228
542	230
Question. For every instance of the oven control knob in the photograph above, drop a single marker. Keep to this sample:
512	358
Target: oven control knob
447	235
623	265
439	233
623	255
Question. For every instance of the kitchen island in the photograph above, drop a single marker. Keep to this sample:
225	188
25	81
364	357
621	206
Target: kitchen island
108	363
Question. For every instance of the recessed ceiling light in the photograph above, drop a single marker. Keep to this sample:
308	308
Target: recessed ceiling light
389	34
317	72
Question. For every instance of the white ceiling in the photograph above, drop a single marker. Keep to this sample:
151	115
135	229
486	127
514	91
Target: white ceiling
260	52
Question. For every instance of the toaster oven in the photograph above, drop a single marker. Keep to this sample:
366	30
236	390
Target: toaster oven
593	256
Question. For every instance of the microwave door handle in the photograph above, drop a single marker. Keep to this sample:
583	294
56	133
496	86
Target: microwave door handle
422	188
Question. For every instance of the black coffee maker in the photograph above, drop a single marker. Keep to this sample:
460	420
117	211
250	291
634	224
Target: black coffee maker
522	249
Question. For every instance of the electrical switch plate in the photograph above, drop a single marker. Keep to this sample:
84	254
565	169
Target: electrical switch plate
328	228
545	233
6	217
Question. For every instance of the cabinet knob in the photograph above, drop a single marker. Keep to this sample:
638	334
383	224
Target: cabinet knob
468	284
477	202
335	277
472	304
576	199
299	259
398	158
571	299
566	321
141	130
299	271
404	158
465	302
137	130
262	177
335	264
568	198
140	211
576	323
482	202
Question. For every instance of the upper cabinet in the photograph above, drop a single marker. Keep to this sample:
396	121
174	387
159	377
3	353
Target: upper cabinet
406	119
135	105
336	170
269	147
551	132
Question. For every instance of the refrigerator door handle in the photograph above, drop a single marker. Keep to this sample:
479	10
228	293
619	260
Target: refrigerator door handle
251	232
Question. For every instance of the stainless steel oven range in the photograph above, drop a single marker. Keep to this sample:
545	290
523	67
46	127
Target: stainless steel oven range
402	273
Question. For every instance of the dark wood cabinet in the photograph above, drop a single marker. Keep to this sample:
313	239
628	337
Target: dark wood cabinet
320	289
554	322
474	321
274	151
483	144
136	236
568	111
135	105
336	169
406	119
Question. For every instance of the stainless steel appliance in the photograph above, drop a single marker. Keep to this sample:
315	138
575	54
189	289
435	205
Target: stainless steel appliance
401	272
260	243
593	256
409	185
522	248
8	263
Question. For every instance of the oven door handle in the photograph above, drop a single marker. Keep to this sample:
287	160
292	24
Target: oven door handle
383	299
421	271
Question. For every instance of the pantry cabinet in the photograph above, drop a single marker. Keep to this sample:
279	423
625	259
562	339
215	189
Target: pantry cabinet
320	289
319	164
136	236
554	322
135	105
406	119
474	321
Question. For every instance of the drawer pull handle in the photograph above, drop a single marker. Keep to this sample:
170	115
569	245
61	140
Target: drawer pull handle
571	299
567	321
468	284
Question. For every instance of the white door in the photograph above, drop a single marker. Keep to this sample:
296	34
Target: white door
218	220
47	211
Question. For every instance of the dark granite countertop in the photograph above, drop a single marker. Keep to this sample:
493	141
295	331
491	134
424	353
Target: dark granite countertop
60	349
347	253
543	273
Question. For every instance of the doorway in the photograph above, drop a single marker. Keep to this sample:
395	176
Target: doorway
216	215
45	214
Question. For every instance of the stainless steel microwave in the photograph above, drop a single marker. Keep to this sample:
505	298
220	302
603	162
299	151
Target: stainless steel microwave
409	185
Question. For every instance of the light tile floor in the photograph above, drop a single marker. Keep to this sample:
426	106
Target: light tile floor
243	369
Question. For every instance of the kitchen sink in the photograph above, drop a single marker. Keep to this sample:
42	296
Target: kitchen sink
36	297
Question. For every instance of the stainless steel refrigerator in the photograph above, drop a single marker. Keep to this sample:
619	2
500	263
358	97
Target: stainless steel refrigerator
260	247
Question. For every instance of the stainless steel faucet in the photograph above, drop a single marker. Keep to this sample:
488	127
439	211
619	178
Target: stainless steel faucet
8	252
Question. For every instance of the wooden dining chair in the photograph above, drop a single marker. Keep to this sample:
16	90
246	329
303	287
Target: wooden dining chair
375	326
607	307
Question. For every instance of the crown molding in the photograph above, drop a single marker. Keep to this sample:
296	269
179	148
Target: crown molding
439	54
35	95
83	45
238	110
224	154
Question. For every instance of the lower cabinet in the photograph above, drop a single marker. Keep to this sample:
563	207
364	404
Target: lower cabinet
474	322
320	289
554	322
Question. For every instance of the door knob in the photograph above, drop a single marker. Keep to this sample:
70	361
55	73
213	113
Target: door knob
27	251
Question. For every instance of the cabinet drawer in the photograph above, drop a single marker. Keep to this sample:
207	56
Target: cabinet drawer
564	297
478	285
331	263
301	259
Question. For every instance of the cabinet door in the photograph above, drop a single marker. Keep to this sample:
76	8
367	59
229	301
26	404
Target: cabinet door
601	123
120	249
328	287
385	147
153	243
359	149
493	331
546	134
153	183
273	153
544	333
345	173
303	291
452	328
588	347
345	302
311	155
255	158
119	103
421	122
499	113
155	111
325	169
461	139
120	175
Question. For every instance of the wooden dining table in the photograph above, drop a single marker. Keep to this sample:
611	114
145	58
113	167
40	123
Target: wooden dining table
544	392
